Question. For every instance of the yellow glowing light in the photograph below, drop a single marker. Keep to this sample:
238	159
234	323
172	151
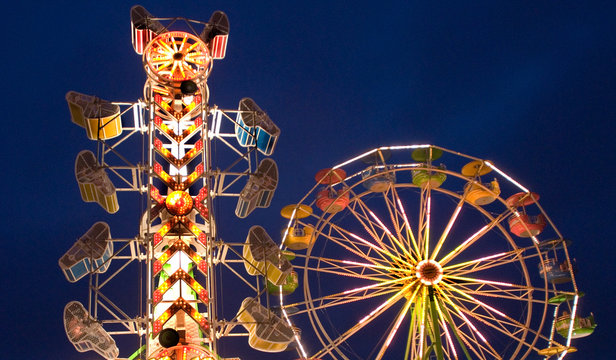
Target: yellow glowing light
408	226
480	280
382	283
447	229
392	299
467	241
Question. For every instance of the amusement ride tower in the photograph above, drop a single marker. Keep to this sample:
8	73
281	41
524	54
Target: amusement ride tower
177	248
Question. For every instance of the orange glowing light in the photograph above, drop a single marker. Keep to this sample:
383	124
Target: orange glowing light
177	56
179	245
193	176
162	150
164	176
179	203
156	196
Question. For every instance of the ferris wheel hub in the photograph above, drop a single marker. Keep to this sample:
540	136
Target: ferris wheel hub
429	272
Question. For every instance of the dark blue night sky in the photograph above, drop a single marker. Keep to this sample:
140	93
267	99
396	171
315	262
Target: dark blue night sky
528	85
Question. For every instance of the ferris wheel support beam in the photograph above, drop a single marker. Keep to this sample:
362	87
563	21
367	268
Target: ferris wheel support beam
447	316
435	325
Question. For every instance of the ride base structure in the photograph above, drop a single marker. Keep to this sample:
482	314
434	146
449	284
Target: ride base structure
483	280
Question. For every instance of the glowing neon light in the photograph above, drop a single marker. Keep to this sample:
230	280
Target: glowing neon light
479	280
391	335
447	335
388	268
386	282
456	250
408	226
505	176
394	298
477	301
476	260
447	230
427	232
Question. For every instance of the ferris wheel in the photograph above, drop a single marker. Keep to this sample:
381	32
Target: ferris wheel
452	259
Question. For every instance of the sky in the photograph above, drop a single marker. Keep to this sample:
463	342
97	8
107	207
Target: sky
528	85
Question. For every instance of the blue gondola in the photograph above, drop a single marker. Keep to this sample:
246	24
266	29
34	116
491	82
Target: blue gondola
89	254
255	128
377	178
557	273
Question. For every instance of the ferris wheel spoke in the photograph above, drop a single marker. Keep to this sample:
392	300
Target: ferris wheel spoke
165	46
192	47
425	211
511	329
182	44
506	295
165	64
349	271
412	244
450	223
368	219
490	261
363	322
360	246
344	272
193	60
488	265
162	59
503	291
453	290
362	218
355	244
392	332
503	323
448	297
195	57
348	266
394	215
444	325
383	251
480	349
473	339
342	298
472	239
175	66
485	316
390	196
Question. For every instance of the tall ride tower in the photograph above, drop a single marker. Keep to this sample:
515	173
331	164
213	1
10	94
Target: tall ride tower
176	250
